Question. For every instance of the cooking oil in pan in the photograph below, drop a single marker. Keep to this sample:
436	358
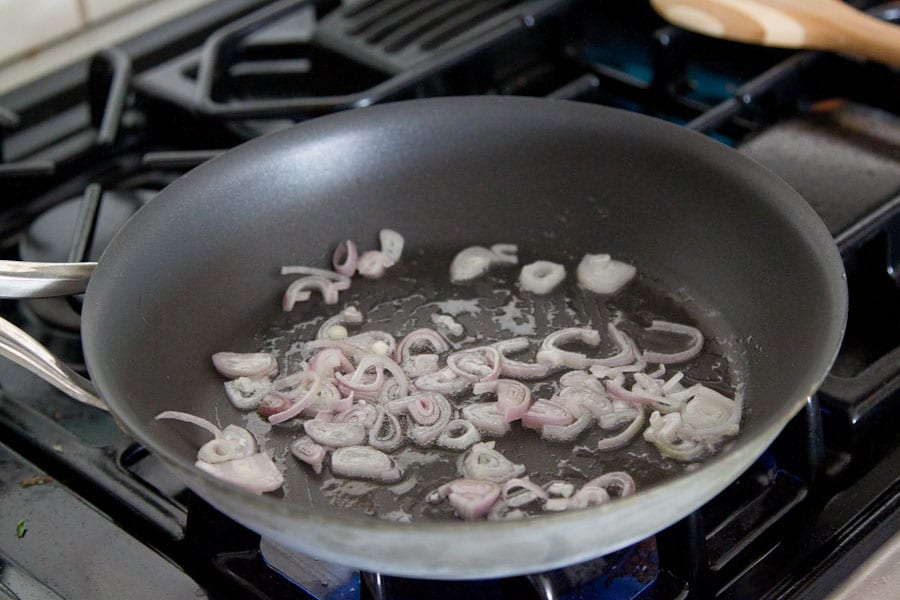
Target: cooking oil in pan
489	309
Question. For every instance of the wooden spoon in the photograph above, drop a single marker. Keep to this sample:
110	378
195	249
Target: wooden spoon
813	24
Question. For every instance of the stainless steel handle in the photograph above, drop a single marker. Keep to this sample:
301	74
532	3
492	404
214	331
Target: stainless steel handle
26	351
19	279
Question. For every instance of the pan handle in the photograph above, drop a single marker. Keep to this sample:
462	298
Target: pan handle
20	279
26	351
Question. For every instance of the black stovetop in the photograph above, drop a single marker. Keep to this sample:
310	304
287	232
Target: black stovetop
84	148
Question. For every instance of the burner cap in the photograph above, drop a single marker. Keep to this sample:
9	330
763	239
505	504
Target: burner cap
49	239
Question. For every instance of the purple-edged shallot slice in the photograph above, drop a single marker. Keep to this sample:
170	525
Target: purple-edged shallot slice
335	435
255	364
430	413
471	498
232	455
552	355
363	462
695	343
518	369
307	392
423	338
483	462
513	397
546	412
345	258
386	434
308	451
476	364
626	435
443	381
245	393
459	434
487	418
519	492
255	473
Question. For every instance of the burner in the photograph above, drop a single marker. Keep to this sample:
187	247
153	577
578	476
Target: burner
49	239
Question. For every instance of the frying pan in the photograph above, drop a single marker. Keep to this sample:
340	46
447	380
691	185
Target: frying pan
196	271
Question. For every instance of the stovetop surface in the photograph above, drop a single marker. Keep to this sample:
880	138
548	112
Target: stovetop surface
88	513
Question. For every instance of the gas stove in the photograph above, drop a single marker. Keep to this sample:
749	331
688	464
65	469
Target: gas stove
88	513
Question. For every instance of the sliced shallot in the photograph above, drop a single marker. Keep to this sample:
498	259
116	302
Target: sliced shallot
459	434
471	498
380	363
419	365
371	264
475	261
626	435
513	397
255	473
709	415
444	381
192	419
519	492
235	442
308	451
541	277
487	418
546	412
428	406
693	349
391	245
485	463
476	364
452	326
335	435
560	489
333	328
345	258
386	434
416	340
298	291
588	496
515	368
329	361
273	403
567	433
573	378
363	462
245	393
302	404
665	431
341	282
551	354
362	413
601	274
378	342
618	480
506	253
233	364
501	511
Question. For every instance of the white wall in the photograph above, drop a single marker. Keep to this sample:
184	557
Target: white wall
29	26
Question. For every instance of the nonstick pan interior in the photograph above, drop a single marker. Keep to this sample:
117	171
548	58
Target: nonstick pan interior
196	271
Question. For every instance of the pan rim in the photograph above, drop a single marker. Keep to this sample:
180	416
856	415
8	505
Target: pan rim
736	459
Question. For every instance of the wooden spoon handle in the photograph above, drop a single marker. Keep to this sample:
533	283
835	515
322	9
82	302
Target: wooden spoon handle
822	24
